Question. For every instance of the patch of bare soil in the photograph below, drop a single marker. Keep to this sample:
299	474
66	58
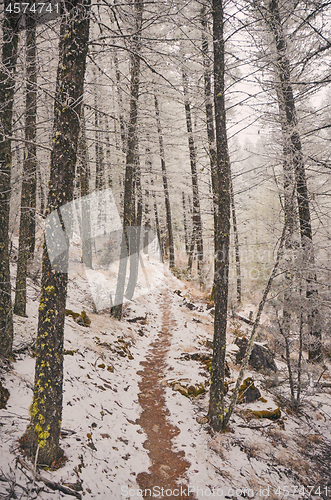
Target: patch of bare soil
168	466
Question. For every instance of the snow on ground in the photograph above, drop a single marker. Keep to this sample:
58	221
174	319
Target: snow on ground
101	440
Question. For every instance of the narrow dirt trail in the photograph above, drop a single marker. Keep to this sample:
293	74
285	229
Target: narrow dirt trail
168	466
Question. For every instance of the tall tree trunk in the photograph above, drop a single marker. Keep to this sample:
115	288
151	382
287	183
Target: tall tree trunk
99	154
212	149
43	432
294	148
165	185
290	217
28	195
236	243
147	218
131	161
120	104
185	224
191	251
84	182
197	223
135	235
41	192
7	87
212	145
108	171
221	189
157	227
157	223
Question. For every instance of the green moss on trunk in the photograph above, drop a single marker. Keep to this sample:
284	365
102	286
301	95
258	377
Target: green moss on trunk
43	432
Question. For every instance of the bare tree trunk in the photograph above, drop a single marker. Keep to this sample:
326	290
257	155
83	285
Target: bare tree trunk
165	185
108	170
294	148
191	251
299	362
135	235
99	154
197	223
185	224
120	104
7	87
28	195
221	188
157	223
157	226
131	162
84	182
286	337
41	191
212	145
43	432
236	243
147	218
212	149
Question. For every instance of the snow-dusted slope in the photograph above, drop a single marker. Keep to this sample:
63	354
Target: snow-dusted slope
103	443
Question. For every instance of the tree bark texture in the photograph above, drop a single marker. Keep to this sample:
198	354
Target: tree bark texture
197	223
212	145
221	187
165	185
135	236
43	431
185	224
131	161
7	88
236	243
84	183
120	104
28	194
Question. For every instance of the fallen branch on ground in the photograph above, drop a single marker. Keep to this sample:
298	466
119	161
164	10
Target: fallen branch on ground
47	482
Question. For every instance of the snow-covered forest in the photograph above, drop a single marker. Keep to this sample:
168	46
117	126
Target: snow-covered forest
164	239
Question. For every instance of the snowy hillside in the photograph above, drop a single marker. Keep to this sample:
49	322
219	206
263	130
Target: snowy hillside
135	401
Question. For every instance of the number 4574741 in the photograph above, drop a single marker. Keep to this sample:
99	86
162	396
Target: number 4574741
38	8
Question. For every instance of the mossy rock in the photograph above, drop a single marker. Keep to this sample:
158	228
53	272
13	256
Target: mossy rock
248	392
188	390
4	396
83	319
195	390
80	318
270	414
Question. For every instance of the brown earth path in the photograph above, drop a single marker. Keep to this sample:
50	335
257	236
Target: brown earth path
168	466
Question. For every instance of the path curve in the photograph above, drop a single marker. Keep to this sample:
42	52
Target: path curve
168	466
